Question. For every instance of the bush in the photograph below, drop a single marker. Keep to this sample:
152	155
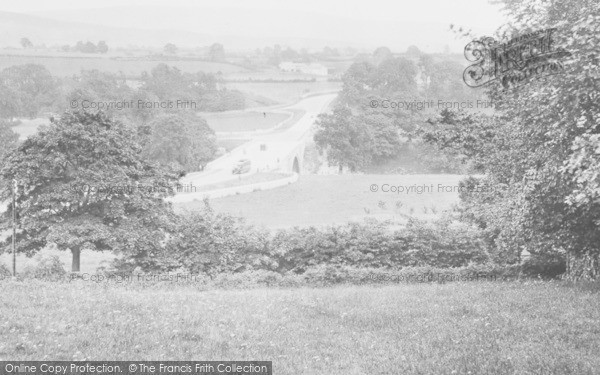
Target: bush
47	268
4	272
331	275
544	266
209	243
372	244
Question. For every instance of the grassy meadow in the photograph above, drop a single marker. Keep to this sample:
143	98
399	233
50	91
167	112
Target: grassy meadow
337	199
66	66
284	92
241	121
454	328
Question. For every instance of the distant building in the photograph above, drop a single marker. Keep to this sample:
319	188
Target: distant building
313	68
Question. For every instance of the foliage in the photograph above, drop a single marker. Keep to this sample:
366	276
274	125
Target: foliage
211	243
26	43
46	268
170	48
540	151
94	87
216	52
88	47
382	106
170	84
80	188
8	138
25	90
374	245
5	272
187	141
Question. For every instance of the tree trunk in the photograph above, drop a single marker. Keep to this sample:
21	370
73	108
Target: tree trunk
76	258
583	267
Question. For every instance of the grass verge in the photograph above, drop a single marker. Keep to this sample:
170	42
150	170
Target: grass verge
457	328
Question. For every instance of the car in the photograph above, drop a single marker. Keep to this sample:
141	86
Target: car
243	166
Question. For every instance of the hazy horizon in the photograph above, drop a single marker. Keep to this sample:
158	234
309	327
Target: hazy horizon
309	24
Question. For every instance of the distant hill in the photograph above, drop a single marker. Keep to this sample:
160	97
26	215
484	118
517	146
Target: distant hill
14	26
58	28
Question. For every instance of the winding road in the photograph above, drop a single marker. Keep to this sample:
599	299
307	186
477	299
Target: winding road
267	151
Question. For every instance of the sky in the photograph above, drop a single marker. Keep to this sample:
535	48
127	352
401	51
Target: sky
366	23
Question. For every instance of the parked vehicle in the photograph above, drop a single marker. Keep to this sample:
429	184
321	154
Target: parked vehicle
243	166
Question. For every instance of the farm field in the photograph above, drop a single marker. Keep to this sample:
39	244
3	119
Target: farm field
239	181
240	121
90	260
336	199
235	121
230	144
454	328
68	66
287	92
29	127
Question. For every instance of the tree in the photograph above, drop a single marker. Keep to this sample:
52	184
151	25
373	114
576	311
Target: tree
186	140
32	87
8	138
10	105
85	186
97	86
413	50
445	81
170	48
166	82
543	148
329	52
216	52
381	54
395	76
357	83
26	43
356	141
102	47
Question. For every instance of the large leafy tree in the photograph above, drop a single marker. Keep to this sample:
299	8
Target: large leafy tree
185	140
84	185
356	141
31	86
8	138
544	147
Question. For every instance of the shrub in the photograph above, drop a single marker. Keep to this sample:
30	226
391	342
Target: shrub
372	244
208	243
211	243
4	272
544	265
46	268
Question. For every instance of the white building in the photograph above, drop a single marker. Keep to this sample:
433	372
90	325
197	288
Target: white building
313	68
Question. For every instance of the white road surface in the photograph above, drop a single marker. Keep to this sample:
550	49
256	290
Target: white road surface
277	146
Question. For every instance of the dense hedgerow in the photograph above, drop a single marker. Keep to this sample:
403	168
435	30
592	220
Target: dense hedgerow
210	243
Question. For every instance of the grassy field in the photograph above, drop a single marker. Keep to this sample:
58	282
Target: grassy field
240	180
240	121
68	66
455	328
230	144
90	260
284	92
29	127
236	121
335	199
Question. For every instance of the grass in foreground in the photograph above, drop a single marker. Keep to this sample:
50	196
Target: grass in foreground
457	328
